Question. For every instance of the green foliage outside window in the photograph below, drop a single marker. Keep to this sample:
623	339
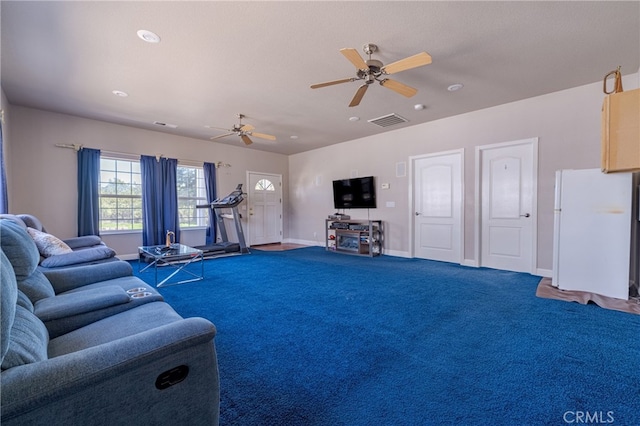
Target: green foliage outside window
121	196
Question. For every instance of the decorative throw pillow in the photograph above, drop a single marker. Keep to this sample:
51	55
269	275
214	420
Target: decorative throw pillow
47	244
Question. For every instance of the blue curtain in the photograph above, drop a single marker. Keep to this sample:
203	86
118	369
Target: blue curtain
210	188
88	191
159	199
4	196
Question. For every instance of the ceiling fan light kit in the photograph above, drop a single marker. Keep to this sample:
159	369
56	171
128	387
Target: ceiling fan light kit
374	70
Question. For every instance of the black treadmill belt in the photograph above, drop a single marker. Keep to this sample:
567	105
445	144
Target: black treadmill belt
219	248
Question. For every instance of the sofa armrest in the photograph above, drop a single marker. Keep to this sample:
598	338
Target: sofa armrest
70	278
70	304
115	383
90	254
84	241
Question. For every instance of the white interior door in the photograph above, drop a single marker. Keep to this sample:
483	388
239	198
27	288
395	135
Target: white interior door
437	183
264	208
508	215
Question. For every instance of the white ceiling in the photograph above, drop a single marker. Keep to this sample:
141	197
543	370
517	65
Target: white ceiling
220	58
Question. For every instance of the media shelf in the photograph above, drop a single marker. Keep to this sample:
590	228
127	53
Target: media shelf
358	237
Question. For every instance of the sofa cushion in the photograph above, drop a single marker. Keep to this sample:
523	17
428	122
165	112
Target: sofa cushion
9	295
86	255
24	337
48	245
28	340
21	251
14	218
32	222
84	241
24	301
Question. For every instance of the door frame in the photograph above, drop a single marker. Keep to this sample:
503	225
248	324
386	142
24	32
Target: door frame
412	201
248	192
534	201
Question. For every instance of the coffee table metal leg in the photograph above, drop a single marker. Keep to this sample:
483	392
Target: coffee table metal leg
182	267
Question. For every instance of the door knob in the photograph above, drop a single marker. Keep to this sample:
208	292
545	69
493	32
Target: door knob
417	213
525	215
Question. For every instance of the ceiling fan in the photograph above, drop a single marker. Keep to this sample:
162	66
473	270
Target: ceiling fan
373	70
244	131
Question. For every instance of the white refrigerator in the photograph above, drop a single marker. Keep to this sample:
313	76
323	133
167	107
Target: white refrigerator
595	241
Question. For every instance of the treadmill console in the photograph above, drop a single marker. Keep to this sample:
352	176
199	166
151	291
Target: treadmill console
230	200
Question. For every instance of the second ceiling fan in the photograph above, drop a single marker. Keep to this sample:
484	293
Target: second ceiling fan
373	70
244	131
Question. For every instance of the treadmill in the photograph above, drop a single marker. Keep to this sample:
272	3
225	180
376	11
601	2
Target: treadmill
225	247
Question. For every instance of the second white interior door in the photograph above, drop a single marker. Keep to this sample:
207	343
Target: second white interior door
437	183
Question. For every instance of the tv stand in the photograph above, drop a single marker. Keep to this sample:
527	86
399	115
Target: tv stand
353	236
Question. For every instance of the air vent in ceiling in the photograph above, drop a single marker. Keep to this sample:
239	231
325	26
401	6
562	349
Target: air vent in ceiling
161	124
388	120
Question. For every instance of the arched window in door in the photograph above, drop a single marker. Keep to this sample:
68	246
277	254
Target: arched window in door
264	185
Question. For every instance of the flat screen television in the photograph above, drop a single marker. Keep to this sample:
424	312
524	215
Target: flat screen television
355	193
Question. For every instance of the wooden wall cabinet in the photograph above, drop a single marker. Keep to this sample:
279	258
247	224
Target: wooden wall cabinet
621	132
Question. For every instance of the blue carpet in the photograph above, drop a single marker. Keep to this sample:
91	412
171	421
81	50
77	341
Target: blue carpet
309	337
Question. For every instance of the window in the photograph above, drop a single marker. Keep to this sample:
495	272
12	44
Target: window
191	192
264	185
121	195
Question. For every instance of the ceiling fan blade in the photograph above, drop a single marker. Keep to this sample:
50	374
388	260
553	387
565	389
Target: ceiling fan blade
219	128
407	63
331	83
359	94
246	139
247	128
354	57
398	87
263	136
222	136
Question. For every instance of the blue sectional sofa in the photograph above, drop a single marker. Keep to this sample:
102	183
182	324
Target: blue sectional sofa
79	351
69	298
57	253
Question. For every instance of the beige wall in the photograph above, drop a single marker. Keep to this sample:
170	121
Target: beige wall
567	124
44	176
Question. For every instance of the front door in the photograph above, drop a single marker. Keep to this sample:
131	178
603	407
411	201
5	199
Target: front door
437	183
264	208
508	174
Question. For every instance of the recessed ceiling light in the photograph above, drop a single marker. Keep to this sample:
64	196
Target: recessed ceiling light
455	87
354	118
293	137
120	93
418	107
148	36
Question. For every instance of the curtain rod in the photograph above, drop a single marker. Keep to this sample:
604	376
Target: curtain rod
77	148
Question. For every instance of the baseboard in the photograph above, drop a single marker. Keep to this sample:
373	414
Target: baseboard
470	262
133	256
302	242
547	273
396	253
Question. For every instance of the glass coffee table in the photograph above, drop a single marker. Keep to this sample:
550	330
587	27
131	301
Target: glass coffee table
177	256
